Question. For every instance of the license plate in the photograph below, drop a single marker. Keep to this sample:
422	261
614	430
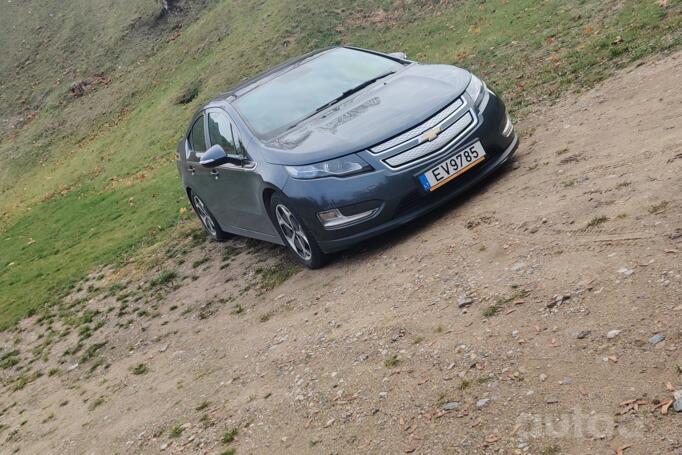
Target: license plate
456	165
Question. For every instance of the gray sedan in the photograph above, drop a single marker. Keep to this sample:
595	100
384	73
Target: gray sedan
337	146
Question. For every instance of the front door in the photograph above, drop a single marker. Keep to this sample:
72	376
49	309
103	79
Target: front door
236	190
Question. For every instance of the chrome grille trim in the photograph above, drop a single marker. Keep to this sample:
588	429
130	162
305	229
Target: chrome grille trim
452	112
452	131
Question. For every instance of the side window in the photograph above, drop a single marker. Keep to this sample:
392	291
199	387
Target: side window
220	132
197	139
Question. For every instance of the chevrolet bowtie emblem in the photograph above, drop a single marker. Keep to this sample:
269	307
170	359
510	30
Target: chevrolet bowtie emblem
430	135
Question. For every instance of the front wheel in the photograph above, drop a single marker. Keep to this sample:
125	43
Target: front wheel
209	223
295	234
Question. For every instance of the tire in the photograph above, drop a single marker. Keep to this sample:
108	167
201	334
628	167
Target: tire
207	219
295	234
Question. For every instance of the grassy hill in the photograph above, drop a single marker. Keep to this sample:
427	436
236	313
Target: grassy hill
94	95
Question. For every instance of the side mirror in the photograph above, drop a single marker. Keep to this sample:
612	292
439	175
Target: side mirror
214	156
400	55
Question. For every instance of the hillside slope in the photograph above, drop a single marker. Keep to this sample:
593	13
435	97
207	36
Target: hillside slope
540	314
90	92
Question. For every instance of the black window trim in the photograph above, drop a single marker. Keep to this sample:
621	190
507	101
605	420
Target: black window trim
188	143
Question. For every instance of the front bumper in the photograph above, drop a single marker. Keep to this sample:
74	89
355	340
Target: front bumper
398	194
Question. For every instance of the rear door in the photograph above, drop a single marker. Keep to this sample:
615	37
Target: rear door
236	188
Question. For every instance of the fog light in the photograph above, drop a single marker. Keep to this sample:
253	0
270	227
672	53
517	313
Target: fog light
508	127
333	218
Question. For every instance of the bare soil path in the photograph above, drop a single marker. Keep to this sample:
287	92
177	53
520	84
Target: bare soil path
518	319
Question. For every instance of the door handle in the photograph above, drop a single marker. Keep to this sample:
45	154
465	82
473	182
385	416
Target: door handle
215	173
190	169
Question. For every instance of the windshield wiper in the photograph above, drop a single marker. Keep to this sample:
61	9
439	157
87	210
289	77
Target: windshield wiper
345	95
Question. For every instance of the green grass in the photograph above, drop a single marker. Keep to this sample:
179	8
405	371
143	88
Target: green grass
551	450
165	277
491	311
391	361
272	277
229	435
463	385
92	351
596	221
175	431
88	181
203	405
139	369
9	359
97	403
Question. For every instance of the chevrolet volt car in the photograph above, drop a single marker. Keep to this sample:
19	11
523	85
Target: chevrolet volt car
338	146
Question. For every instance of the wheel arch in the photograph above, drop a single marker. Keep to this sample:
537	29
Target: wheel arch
268	192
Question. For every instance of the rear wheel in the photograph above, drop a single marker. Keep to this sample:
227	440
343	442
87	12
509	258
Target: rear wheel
207	219
295	234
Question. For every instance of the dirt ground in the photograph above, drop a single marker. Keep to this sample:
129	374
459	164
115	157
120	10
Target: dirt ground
517	319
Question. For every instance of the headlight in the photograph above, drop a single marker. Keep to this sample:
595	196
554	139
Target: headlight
339	167
476	90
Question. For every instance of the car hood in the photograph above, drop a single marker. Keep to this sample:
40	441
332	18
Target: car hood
381	111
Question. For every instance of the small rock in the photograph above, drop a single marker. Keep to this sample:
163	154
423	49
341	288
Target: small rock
451	406
483	402
329	422
557	300
515	334
543	377
612	334
656	339
163	348
383	395
677	233
518	266
567	381
516	165
464	301
583	334
625	271
677	405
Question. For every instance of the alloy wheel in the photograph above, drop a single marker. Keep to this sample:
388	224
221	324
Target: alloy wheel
293	232
205	218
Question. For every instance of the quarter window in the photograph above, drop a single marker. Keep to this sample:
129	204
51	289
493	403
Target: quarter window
239	145
220	132
197	139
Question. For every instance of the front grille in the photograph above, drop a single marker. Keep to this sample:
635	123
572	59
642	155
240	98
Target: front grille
427	148
416	131
451	125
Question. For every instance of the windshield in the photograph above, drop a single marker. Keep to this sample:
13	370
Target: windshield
298	93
